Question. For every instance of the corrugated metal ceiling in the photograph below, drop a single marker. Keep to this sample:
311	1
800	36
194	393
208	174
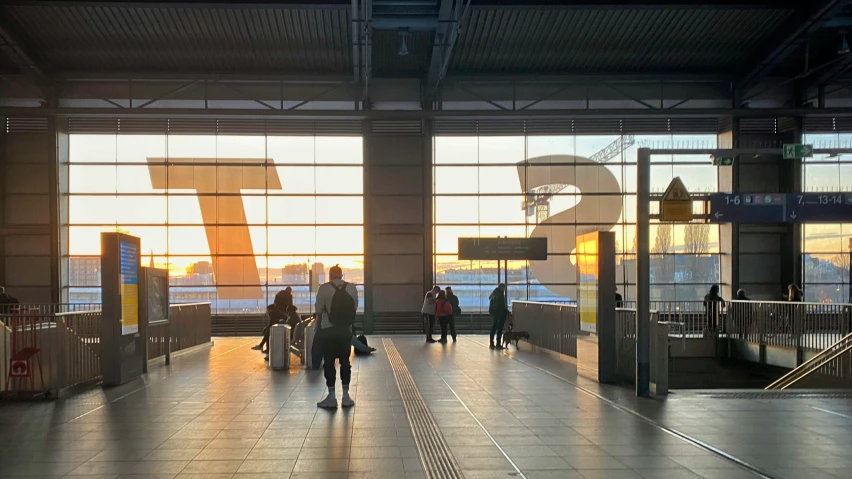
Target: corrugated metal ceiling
515	40
189	39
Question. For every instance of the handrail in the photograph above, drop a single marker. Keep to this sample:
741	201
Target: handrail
820	359
790	303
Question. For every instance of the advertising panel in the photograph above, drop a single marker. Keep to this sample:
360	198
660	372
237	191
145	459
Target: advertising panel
587	272
129	284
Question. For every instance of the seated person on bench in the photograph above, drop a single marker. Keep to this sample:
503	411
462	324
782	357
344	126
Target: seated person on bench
276	313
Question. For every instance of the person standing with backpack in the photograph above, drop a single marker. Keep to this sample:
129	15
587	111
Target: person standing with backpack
336	304
498	308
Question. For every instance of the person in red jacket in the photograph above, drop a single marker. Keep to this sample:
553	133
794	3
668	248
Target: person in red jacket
443	311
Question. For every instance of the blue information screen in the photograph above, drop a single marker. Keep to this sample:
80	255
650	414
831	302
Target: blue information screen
129	287
735	208
820	208
781	208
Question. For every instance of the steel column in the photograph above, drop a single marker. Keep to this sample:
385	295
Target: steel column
643	274
367	145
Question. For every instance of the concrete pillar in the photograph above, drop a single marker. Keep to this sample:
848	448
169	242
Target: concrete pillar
397	217
729	233
30	264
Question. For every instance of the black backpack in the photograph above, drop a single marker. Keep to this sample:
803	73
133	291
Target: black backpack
343	307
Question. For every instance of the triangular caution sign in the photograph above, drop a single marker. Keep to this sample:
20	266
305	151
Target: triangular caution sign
676	204
676	191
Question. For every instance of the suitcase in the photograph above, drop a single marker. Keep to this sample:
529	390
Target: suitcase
279	347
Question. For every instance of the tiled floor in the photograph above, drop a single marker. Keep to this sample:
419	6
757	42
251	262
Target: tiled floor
221	413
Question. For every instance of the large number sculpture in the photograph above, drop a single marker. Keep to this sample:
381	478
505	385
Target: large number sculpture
599	209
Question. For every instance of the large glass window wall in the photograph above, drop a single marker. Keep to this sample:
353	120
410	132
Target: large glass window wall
234	219
558	187
827	248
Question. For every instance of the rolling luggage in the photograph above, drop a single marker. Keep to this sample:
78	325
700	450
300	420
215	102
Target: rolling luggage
279	347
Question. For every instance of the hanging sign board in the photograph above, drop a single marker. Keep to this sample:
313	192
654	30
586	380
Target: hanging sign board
511	249
676	204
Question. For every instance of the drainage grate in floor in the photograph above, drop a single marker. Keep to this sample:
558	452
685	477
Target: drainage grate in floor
777	395
435	455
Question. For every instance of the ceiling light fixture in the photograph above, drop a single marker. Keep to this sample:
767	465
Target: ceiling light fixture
403	46
844	45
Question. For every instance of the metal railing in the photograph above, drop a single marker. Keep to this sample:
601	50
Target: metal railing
801	326
50	308
692	319
189	325
69	344
551	326
625	343
78	343
625	337
159	340
834	362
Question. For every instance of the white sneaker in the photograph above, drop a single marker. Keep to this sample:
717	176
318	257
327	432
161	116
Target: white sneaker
347	401
330	402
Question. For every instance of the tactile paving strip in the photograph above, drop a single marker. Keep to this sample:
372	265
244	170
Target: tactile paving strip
438	462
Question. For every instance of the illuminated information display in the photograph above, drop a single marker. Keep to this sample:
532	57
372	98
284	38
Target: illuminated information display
587	269
781	208
512	249
129	287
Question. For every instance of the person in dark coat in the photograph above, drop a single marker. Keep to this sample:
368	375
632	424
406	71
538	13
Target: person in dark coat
498	308
713	304
277	312
795	294
454	302
741	295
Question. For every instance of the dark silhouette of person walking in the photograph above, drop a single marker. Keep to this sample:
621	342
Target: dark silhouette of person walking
498	308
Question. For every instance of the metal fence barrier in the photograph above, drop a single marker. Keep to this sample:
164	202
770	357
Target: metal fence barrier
69	343
551	326
691	318
625	337
801	326
189	325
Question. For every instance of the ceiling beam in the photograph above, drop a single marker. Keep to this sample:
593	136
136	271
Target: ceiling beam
823	78
795	33
366	32
356	40
11	46
422	114
446	35
230	4
20	55
182	76
645	4
608	4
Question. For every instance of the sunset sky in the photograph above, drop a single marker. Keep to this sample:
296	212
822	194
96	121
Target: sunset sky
488	169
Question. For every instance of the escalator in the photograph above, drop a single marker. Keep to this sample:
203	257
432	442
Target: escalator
830	369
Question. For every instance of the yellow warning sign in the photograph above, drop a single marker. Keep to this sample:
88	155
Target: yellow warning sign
676	204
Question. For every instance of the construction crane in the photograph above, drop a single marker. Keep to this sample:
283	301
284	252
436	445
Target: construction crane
537	200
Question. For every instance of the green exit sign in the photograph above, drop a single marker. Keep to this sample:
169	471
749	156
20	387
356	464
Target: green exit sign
794	151
724	160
